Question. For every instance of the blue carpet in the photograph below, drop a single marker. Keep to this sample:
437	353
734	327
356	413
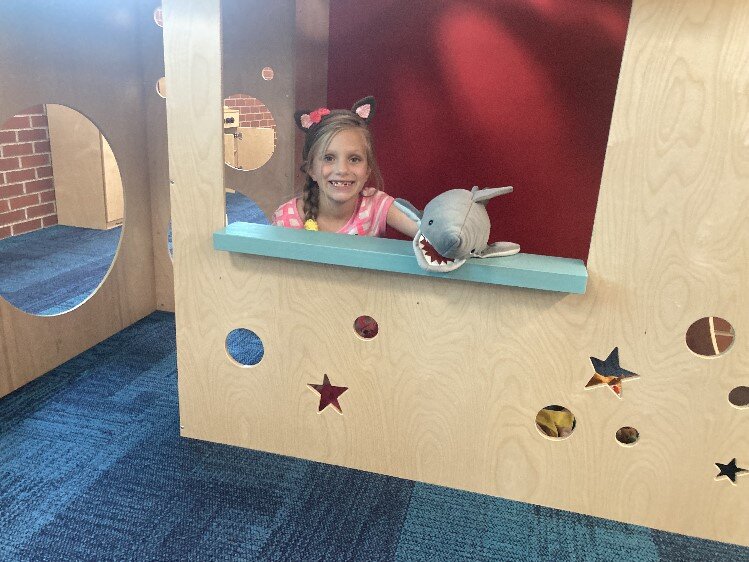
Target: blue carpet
240	208
244	346
52	270
92	468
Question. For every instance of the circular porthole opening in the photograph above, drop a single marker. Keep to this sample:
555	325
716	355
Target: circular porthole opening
249	132
62	207
739	397
710	336
627	435
240	208
366	327
161	87
267	73
245	347
555	422
158	16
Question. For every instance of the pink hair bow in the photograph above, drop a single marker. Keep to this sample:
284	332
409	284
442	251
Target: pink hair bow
313	117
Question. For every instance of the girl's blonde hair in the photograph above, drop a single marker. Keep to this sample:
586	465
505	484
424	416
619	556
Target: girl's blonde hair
333	124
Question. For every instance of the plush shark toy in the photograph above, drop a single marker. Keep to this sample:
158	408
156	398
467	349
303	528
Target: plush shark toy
454	227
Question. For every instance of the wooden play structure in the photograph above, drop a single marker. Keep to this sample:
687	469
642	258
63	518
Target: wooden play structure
88	57
449	389
88	190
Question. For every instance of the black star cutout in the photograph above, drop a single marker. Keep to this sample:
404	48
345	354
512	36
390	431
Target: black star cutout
328	394
730	470
610	373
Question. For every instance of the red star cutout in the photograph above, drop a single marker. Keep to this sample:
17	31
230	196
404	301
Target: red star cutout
328	394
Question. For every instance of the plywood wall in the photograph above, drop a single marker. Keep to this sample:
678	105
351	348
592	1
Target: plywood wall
448	391
152	62
259	34
84	55
249	46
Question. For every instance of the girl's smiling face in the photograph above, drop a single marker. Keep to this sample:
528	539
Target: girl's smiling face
341	171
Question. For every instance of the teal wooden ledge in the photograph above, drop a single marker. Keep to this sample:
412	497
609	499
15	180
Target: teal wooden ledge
382	254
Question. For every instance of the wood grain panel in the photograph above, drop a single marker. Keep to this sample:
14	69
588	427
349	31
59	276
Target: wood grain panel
113	195
152	64
77	162
254	147
310	64
194	121
87	60
256	34
448	391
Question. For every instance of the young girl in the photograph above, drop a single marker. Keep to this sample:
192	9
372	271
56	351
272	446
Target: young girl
338	159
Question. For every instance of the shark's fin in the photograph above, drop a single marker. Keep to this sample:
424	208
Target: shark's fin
483	195
498	249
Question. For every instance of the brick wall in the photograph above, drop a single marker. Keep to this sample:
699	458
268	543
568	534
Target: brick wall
27	189
252	112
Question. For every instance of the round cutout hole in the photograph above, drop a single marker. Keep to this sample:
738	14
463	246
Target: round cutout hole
556	422
627	435
158	16
710	336
366	327
267	73
62	209
161	87
244	346
249	132
240	208
739	397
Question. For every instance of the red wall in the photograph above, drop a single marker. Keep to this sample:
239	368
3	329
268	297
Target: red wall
488	93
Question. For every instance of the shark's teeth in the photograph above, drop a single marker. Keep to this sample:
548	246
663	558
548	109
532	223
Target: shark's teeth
432	256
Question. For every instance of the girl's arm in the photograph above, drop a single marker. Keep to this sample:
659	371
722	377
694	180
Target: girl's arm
398	220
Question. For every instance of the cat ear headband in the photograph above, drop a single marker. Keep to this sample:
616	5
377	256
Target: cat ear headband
309	121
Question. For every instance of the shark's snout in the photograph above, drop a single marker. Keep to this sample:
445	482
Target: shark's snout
430	258
447	242
431	254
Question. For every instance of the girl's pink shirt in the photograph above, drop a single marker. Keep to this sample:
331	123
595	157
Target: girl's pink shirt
369	218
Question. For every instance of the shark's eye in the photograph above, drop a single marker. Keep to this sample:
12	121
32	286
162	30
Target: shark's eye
473	251
431	222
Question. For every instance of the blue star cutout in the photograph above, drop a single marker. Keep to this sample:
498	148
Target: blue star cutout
610	373
729	470
610	367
